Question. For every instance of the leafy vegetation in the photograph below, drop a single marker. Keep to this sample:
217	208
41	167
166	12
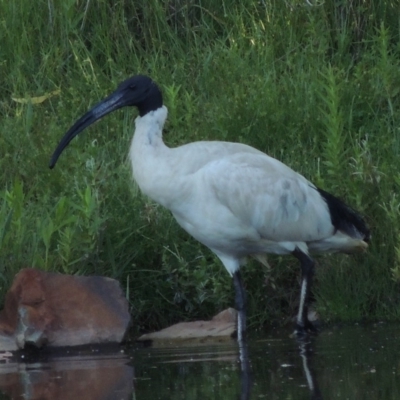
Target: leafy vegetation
315	84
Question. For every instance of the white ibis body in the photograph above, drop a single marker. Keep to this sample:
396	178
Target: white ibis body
234	199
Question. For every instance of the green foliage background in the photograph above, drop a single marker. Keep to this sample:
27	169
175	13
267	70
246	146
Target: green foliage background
315	84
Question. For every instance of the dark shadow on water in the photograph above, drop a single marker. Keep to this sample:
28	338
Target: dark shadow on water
358	363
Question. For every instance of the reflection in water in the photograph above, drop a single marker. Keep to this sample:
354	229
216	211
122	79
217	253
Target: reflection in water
79	377
348	363
306	352
245	370
108	376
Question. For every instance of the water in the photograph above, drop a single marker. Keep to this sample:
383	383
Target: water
357	362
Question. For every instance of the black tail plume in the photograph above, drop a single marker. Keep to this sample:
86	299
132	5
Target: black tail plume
344	218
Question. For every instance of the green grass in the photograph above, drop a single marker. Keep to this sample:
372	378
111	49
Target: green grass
317	87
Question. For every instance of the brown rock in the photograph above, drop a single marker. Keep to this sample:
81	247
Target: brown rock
63	310
223	325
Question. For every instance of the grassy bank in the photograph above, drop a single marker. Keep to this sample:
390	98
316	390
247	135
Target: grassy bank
316	86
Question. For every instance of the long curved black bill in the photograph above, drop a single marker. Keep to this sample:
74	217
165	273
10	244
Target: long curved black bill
106	106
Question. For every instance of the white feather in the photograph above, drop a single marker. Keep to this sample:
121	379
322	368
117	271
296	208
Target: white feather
233	198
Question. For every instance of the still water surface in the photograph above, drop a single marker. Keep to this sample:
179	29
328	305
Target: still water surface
357	362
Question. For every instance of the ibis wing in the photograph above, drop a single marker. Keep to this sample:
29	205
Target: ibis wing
266	195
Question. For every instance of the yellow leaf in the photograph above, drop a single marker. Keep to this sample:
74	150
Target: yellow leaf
37	100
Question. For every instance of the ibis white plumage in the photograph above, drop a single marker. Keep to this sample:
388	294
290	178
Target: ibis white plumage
231	197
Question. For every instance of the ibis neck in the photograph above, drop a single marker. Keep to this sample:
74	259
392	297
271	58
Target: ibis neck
149	128
148	154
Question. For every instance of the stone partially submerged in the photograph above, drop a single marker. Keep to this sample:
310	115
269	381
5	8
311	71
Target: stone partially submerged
221	327
50	309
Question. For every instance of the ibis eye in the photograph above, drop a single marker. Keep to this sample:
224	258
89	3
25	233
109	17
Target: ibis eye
132	86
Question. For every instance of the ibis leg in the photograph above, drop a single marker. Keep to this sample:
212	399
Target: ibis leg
307	272
240	303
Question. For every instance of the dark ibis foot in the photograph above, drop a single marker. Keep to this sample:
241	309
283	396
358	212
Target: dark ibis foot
303	331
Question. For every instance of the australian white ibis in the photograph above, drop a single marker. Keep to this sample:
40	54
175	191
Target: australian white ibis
234	199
